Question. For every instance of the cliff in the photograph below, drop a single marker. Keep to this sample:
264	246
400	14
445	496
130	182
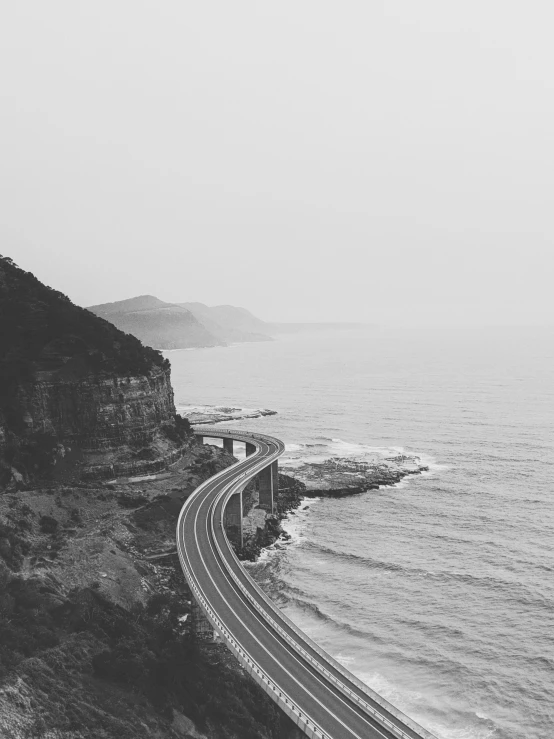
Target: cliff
76	394
158	324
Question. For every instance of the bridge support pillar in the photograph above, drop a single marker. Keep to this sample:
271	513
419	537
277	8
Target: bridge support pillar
275	478
233	519
228	445
250	449
265	486
200	626
199	440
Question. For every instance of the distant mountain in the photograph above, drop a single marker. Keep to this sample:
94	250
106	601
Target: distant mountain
229	323
158	324
190	325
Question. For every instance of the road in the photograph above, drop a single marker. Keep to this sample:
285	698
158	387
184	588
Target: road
319	694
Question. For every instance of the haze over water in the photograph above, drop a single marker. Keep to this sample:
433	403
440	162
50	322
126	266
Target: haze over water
438	592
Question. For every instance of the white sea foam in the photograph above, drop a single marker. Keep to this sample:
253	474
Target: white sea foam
410	701
295	525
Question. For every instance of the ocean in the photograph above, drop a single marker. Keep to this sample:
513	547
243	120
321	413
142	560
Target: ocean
438	592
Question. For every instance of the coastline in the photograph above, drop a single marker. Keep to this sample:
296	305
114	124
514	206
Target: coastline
282	529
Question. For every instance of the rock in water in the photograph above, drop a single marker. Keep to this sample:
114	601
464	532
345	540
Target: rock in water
340	476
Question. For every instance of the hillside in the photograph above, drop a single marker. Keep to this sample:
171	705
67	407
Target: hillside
76	394
158	324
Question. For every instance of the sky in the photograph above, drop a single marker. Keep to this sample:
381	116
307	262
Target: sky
353	160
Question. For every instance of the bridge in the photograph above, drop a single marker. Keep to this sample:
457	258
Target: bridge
322	697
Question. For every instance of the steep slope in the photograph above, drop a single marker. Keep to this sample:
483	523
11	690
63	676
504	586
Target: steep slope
158	324
228	322
76	394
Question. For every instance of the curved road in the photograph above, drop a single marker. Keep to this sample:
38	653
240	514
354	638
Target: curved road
320	695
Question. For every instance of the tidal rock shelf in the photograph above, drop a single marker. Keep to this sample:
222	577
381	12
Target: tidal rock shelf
340	476
211	414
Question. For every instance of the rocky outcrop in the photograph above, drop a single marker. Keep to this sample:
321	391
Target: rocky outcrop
210	414
261	529
98	413
338	476
96	426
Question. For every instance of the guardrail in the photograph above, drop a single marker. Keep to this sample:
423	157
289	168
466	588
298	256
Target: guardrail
375	697
352	695
300	717
304	653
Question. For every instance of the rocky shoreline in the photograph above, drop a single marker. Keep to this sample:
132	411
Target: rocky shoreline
340	476
258	537
334	478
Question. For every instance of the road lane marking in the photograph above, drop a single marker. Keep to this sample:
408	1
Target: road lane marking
222	487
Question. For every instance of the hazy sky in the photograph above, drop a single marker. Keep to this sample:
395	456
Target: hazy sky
311	160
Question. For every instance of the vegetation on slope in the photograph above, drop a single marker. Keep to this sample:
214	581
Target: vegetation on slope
140	657
40	327
95	635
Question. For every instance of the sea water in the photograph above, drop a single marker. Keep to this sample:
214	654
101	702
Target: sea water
437	592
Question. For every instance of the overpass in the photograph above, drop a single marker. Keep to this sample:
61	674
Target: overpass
320	695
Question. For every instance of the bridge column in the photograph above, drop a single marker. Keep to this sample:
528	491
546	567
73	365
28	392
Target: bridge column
233	519
200	626
228	445
199	440
265	484
250	449
275	478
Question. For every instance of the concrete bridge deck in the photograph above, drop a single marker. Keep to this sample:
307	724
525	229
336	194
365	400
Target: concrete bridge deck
319	694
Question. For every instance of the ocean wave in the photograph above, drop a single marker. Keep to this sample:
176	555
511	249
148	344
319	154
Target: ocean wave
517	591
313	609
453	724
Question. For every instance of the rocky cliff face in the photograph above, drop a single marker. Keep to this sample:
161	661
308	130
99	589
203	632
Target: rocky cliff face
76	394
100	425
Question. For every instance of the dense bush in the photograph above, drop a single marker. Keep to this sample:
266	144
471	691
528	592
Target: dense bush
180	431
27	625
48	525
144	650
182	424
13	547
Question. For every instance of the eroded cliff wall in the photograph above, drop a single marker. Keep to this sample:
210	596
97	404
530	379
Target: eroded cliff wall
98	413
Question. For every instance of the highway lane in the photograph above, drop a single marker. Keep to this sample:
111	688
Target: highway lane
294	669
